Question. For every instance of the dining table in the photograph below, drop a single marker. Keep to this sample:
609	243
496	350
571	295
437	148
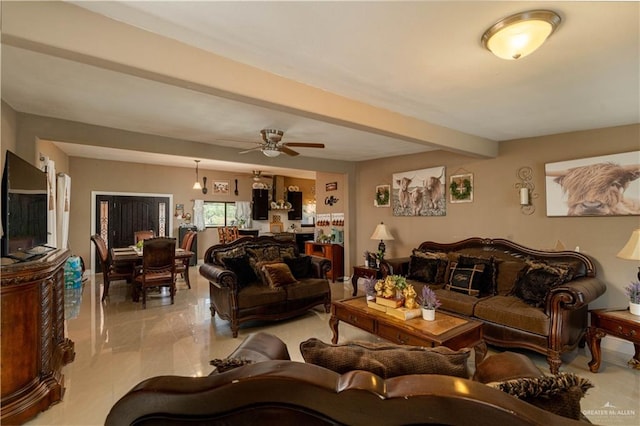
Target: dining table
131	257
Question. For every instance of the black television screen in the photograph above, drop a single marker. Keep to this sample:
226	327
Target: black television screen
24	207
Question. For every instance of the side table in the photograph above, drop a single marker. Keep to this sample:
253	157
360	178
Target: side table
619	323
363	272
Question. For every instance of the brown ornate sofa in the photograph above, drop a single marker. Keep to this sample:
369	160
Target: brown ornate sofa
527	298
284	392
242	290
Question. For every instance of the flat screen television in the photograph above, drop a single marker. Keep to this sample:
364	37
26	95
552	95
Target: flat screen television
24	208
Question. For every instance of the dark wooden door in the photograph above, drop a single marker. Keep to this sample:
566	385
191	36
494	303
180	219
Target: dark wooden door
295	198
119	216
260	210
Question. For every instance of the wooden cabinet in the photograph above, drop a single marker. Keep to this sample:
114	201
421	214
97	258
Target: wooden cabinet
260	210
295	198
34	347
333	252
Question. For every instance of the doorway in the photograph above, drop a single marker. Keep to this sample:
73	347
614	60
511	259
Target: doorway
118	216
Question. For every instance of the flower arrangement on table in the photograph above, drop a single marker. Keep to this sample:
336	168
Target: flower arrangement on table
633	293
396	287
428	299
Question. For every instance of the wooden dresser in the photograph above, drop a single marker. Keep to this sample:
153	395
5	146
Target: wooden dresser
333	252
34	346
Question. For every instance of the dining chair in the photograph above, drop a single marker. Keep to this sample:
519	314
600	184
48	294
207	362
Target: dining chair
227	234
182	265
110	271
158	266
143	235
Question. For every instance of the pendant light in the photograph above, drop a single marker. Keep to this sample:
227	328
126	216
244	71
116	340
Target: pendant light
197	184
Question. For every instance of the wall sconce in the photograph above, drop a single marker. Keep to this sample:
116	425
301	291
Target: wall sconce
526	190
204	185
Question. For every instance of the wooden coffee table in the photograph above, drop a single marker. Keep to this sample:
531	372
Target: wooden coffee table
616	322
447	330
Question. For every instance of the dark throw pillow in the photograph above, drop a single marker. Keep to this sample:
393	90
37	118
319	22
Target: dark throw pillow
488	279
242	268
278	275
300	266
465	280
385	359
536	281
423	269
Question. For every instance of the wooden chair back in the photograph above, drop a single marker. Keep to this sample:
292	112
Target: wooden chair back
227	234
158	266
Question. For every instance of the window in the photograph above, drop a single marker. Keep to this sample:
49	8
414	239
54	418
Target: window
219	213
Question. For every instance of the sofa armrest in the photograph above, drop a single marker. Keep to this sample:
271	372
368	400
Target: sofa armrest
396	265
219	276
320	266
575	294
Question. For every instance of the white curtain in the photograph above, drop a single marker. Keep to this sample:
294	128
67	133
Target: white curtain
64	204
243	211
50	168
198	214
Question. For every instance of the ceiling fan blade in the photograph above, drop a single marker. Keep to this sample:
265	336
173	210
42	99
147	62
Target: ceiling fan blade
257	148
304	144
288	151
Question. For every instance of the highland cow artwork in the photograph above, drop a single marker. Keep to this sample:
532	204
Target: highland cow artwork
419	193
599	186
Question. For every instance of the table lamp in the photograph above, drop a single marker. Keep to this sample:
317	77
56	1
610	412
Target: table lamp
631	250
381	233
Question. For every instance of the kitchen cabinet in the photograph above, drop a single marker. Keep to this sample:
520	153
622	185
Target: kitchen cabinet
333	252
295	198
260	208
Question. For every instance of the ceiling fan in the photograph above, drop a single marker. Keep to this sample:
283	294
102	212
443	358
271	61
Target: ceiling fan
259	174
272	147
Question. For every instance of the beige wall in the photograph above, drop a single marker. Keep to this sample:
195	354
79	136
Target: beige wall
8	130
495	212
47	148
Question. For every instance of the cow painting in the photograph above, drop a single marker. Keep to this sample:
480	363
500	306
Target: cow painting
419	193
602	188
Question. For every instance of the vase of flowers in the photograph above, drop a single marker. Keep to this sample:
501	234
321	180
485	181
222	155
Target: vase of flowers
370	288
633	292
429	303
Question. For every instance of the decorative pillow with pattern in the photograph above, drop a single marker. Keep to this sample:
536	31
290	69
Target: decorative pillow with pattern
534	284
423	269
287	252
465	280
227	364
223	253
442	265
262	253
278	275
488	279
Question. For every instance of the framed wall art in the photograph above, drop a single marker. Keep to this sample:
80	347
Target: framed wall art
419	193
383	196
608	185
461	188
221	187
331	186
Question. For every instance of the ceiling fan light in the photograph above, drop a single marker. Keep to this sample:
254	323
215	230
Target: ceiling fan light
521	34
271	152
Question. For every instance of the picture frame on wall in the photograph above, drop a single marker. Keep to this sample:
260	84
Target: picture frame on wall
383	196
331	186
221	187
606	185
461	188
419	193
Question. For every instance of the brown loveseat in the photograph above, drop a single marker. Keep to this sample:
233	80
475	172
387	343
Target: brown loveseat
263	278
273	390
526	298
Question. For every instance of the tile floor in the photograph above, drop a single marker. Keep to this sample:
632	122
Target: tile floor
118	344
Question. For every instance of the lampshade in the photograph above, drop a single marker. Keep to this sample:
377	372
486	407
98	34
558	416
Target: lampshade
197	185
381	233
519	35
631	250
271	152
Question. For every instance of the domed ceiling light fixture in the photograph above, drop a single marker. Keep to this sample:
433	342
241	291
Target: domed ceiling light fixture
519	35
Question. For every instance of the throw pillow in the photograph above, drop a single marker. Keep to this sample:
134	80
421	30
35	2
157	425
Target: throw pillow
536	281
386	360
442	265
220	254
423	269
488	279
300	266
559	394
278	275
264	253
242	268
465	279
286	252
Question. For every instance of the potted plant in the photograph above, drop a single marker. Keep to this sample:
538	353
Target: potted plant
429	303
633	292
370	288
